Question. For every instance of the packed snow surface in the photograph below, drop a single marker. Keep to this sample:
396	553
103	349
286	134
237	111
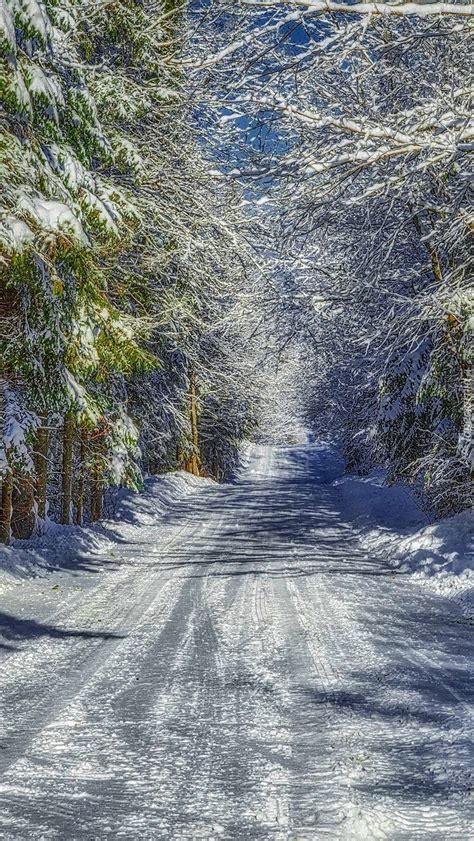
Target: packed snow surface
234	664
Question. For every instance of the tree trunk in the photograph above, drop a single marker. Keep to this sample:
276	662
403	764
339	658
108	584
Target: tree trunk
180	458
41	465
435	264
194	462
97	491
23	516
79	519
68	441
6	509
96	501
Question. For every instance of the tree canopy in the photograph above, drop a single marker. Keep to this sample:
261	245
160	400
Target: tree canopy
192	190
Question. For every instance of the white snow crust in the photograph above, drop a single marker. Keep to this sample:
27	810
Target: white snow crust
390	522
234	662
65	544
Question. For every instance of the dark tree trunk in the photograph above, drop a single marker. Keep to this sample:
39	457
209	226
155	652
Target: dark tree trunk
97	495
23	517
97	490
79	519
41	465
194	462
6	509
68	442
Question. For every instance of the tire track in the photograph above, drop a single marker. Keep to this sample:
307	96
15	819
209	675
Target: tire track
82	660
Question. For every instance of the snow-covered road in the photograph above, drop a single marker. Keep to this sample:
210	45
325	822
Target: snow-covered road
239	670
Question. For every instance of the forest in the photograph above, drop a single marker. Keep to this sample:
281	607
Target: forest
205	203
236	404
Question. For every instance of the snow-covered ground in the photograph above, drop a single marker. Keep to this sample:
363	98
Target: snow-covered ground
238	662
390	523
71	547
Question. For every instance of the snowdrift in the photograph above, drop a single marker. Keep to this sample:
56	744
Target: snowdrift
68	544
389	521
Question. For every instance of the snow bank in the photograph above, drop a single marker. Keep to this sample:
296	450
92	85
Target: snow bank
442	549
389	521
371	504
160	495
66	546
246	451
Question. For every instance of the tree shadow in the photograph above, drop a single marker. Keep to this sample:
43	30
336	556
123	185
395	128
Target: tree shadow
402	748
16	630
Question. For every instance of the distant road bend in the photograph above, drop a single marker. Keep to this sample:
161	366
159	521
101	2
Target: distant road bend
243	671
